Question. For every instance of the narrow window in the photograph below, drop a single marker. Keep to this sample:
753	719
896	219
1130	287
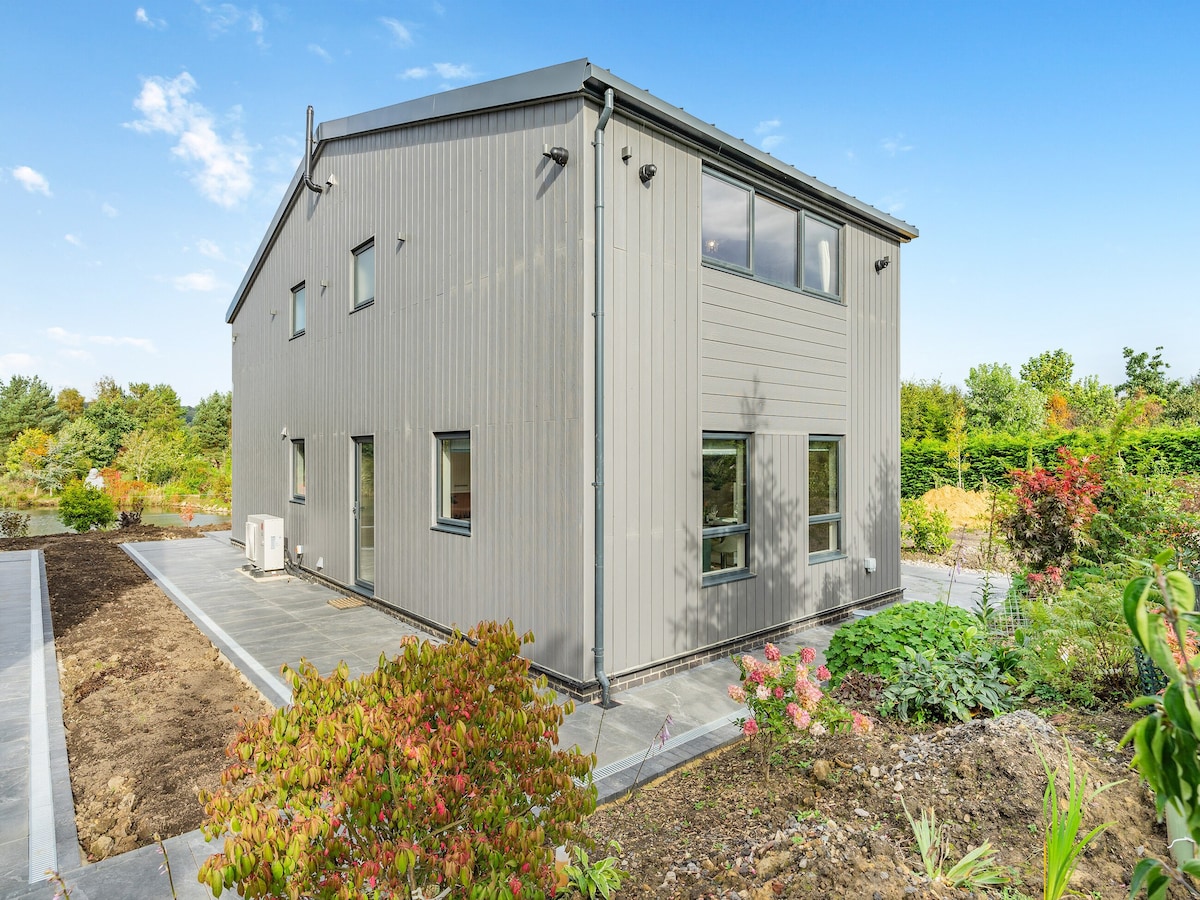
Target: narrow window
774	242
454	481
825	538
299	479
298	310
364	274
726	528
725	222
821	262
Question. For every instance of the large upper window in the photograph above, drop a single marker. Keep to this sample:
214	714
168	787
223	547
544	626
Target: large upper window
298	309
299	478
726	529
364	274
454	481
825	538
762	237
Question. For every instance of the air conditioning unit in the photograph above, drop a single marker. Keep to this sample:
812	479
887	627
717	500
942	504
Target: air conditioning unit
264	542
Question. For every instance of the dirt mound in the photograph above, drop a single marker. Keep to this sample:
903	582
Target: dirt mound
966	509
830	822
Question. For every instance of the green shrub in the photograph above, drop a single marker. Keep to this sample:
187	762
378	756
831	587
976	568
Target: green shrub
1078	647
963	686
83	508
876	644
437	769
926	530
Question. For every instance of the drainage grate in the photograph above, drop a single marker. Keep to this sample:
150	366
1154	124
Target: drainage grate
346	602
679	740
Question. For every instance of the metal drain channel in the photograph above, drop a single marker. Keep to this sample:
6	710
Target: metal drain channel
43	847
679	740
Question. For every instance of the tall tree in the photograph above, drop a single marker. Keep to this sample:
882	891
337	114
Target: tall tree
998	401
107	390
928	409
155	408
27	403
211	423
114	422
1050	372
1147	375
1092	404
70	401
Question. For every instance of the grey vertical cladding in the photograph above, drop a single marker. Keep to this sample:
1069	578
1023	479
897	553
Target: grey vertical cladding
478	324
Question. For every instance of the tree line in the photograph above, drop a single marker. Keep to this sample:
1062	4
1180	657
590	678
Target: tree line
140	434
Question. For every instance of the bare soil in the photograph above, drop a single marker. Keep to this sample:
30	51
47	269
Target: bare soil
149	704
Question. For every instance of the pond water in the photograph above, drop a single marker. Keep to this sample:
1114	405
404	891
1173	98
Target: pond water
45	521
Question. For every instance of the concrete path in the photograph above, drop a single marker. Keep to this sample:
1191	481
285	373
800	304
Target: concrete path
262	624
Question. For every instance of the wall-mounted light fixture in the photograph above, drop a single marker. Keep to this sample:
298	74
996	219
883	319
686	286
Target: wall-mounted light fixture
324	283
869	564
881	264
646	172
331	181
283	433
626	154
557	154
401	237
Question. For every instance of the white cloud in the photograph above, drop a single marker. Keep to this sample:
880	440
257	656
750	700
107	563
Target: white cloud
851	155
108	341
73	239
62	336
453	72
205	247
224	165
401	35
893	145
81	355
143	18
71	339
33	181
223	16
767	126
771	141
415	72
196	281
318	50
109	210
15	362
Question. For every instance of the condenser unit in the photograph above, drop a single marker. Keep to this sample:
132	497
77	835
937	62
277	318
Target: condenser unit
264	541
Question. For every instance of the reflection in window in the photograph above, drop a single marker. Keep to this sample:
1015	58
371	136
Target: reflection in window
725	222
364	274
299	478
820	256
298	309
726	527
454	481
774	241
824	498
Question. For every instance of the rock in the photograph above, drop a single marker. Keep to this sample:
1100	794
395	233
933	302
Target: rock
104	824
128	801
774	863
862	813
875	773
101	847
821	770
116	784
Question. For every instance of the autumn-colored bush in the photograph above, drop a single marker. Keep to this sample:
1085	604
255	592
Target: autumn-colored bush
437	770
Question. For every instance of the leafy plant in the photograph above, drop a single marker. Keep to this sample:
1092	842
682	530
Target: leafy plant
595	879
1063	844
13	524
943	689
83	508
876	644
132	517
927	530
975	870
860	690
437	770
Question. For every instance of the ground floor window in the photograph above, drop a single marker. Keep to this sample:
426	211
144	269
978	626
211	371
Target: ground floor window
454	481
825	535
726	527
299	479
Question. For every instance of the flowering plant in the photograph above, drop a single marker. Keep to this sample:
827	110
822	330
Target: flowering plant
785	699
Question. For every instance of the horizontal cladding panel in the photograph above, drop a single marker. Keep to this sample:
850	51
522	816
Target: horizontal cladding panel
768	370
823	327
758	334
773	391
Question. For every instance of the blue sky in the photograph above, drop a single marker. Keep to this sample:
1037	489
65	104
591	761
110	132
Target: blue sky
1046	151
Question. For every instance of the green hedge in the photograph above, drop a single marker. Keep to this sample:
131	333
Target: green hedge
925	465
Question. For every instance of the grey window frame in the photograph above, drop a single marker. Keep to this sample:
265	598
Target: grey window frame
298	443
441	522
746	528
366	245
801	212
299	289
840	516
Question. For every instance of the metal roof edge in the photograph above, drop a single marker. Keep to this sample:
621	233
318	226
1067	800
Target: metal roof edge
272	230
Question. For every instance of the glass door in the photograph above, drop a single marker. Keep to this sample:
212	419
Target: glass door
364	512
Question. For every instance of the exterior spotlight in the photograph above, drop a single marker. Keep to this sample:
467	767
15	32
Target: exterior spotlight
557	154
881	264
646	172
283	433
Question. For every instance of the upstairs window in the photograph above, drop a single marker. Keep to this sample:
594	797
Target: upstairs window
454	481
765	238
825	537
725	504
298	310
364	274
299	478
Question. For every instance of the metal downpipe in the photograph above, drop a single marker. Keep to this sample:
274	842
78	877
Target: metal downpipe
598	481
308	149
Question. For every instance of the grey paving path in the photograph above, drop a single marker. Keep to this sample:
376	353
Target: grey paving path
259	625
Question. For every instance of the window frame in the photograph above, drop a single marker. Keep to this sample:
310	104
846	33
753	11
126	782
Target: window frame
801	212
300	496
839	517
300	290
725	575
441	498
366	245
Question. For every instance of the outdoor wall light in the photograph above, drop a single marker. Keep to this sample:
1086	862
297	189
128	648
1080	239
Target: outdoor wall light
881	264
626	153
869	564
331	181
646	172
320	563
401	237
283	433
557	154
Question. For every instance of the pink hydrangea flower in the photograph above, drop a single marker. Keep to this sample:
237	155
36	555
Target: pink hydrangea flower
802	719
823	674
817	730
778	692
757	676
750	729
749	663
801	672
762	692
807	655
860	724
737	693
771	652
808	694
792	709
